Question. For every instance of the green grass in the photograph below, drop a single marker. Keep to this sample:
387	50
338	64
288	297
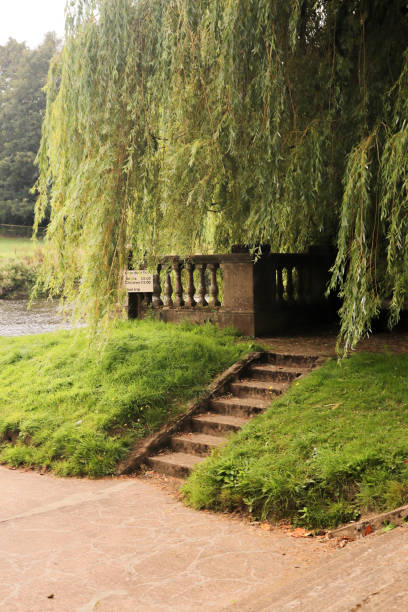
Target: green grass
335	446
15	247
78	412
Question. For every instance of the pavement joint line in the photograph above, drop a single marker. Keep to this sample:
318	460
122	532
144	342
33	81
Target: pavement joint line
90	606
127	553
72	500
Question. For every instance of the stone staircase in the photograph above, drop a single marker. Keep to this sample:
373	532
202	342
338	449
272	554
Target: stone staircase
250	394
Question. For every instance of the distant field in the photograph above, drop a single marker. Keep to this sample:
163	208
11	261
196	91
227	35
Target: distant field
11	247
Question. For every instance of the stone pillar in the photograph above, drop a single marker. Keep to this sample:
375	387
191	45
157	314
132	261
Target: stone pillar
239	293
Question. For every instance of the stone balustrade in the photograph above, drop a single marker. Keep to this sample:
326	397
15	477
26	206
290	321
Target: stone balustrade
256	297
296	279
187	283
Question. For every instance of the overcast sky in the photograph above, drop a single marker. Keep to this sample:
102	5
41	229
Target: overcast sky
29	20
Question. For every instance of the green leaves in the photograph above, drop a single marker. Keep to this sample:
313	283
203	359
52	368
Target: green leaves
23	73
178	127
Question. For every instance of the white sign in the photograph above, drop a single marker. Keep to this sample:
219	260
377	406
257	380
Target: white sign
138	281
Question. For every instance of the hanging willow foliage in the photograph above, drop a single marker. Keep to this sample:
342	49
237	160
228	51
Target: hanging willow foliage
178	126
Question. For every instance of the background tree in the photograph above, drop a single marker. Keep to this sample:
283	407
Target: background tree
179	126
23	74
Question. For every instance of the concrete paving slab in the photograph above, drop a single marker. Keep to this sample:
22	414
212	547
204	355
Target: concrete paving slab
126	545
371	574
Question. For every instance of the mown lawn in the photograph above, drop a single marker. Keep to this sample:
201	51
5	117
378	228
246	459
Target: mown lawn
15	247
334	447
78	411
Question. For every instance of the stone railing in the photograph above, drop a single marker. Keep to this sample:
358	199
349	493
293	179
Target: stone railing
198	286
287	278
296	279
261	297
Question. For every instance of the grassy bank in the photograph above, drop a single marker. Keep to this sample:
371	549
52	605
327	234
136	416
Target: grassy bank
78	412
335	446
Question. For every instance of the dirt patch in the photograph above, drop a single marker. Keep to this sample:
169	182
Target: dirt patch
10	437
324	344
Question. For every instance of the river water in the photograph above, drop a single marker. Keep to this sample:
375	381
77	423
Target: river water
16	320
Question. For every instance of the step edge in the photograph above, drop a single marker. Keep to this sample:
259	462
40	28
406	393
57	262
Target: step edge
204	418
192	437
258	383
162	457
243	401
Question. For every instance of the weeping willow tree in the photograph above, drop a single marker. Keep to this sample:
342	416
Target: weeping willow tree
182	126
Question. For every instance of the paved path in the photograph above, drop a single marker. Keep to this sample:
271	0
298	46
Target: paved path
120	545
370	574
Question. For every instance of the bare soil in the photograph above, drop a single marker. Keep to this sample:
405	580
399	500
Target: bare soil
324	344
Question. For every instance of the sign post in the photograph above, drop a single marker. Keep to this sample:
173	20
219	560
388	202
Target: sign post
138	281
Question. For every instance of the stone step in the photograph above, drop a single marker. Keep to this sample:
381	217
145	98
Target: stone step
174	464
258	388
249	397
270	371
217	424
306	361
195	443
245	407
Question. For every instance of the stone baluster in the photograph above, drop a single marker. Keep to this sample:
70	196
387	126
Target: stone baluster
214	286
280	288
156	298
190	301
289	284
178	287
168	291
202	289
